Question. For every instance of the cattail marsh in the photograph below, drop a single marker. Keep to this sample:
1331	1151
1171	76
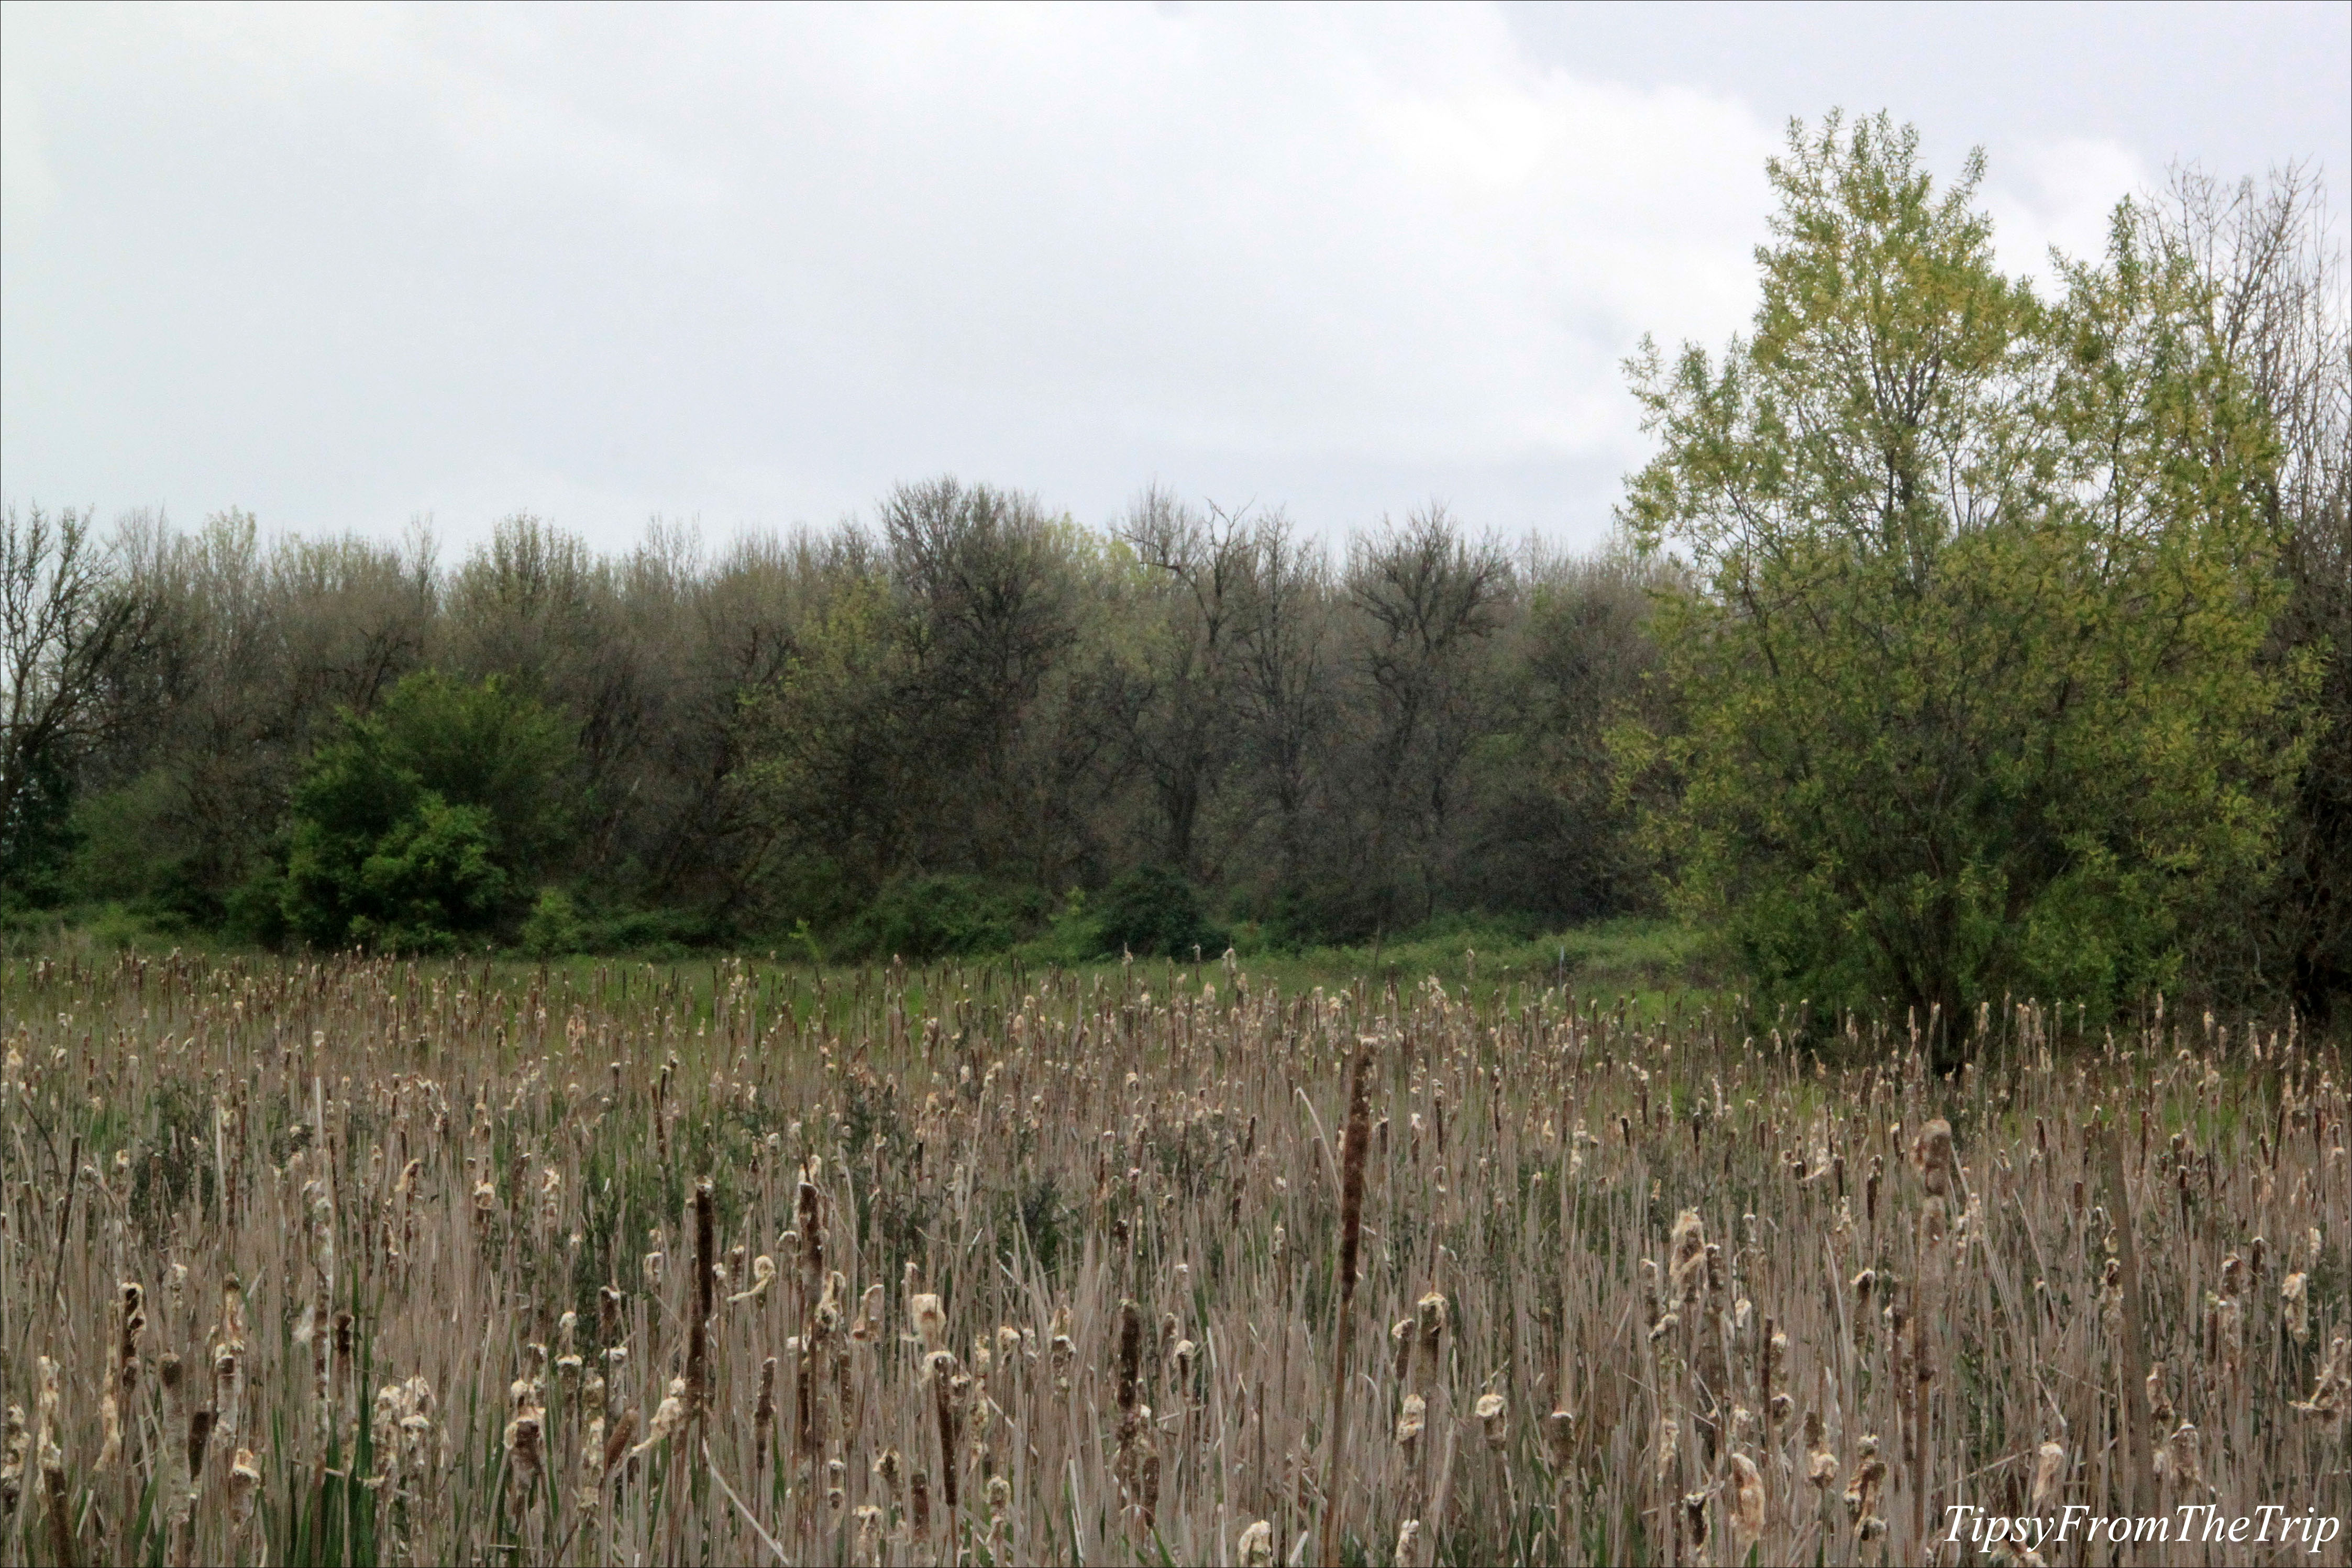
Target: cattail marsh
353	1261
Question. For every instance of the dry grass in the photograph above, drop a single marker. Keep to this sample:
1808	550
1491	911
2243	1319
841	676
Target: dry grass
374	1262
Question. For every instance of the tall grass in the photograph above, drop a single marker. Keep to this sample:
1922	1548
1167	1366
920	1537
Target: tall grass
375	1262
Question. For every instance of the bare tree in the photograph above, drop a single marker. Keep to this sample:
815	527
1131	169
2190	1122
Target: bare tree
1429	599
988	580
64	614
1177	722
1285	685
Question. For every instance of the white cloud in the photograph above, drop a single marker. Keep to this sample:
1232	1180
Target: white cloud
2059	195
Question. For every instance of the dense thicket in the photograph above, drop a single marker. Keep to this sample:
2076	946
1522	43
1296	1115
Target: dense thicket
925	735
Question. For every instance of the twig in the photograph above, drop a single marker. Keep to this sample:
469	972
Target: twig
65	1221
765	1539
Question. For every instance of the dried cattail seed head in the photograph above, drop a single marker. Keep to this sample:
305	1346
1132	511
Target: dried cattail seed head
931	1322
1130	1353
1430	1315
2049	1469
1493	1414
1820	1465
1688	1256
1747	1502
810	1205
1411	1420
1931	1153
867	1325
1694	1519
763	1274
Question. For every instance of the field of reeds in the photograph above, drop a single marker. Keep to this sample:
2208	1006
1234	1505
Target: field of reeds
379	1262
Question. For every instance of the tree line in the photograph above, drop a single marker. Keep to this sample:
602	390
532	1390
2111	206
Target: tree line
1964	638
957	714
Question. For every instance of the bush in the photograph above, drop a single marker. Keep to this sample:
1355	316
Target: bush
662	936
127	851
924	918
1153	912
553	928
433	876
417	826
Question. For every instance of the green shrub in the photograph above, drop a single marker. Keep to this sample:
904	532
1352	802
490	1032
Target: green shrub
662	935
417	826
433	876
553	928
37	836
1153	912
125	850
924	918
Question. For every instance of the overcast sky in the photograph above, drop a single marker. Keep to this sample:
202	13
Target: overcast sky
350	266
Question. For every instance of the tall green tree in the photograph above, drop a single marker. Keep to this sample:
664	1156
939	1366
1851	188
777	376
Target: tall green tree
1970	699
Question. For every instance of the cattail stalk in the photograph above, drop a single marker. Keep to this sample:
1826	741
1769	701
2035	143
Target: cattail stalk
763	1414
51	1459
1355	1144
697	1342
2140	1492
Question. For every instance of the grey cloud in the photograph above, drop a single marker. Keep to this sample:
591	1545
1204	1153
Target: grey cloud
346	266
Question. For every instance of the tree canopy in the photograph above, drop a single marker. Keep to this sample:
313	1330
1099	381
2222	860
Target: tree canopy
1969	698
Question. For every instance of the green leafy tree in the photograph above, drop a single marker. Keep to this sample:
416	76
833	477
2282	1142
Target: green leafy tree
424	821
1969	695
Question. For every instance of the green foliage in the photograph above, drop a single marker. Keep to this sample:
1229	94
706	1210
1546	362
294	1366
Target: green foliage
125	849
553	928
255	907
660	934
831	770
37	835
1153	912
414	828
560	924
923	918
1970	699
